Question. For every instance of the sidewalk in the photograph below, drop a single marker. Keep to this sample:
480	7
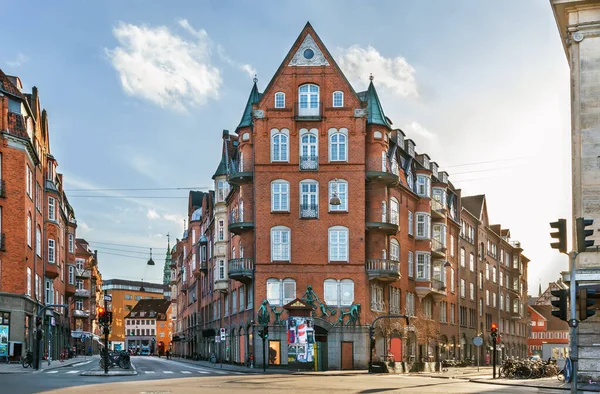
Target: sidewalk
18	368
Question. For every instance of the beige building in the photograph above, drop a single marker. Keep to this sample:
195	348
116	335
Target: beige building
579	26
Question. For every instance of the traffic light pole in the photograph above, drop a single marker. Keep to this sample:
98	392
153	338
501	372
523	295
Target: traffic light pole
573	321
105	355
494	358
264	351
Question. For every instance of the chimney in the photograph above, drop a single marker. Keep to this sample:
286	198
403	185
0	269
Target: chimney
34	102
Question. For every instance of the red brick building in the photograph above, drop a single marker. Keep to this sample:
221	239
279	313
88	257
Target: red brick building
37	225
549	336
318	197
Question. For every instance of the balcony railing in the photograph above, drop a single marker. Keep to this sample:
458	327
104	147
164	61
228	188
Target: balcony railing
381	169
383	269
239	223
309	211
308	114
81	313
2	188
82	293
309	163
386	222
240	172
437	207
241	269
437	284
82	273
438	247
2	242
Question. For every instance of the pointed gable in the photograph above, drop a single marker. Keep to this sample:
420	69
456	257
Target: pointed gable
308	54
474	204
376	115
252	99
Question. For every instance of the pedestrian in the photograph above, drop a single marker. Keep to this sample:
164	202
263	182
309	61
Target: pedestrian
168	354
487	359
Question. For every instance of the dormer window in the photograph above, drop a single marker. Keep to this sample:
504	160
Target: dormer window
400	136
338	99
423	186
279	100
434	169
426	162
308	97
410	148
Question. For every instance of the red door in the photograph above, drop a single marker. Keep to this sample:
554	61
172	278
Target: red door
396	348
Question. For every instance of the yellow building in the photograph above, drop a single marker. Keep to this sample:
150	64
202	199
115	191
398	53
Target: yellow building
125	294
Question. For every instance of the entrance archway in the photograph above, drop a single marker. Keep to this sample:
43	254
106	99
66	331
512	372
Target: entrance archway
321	348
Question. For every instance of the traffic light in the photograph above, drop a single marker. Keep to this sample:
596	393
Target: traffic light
39	329
561	304
582	234
266	332
101	315
560	235
494	331
372	337
584	303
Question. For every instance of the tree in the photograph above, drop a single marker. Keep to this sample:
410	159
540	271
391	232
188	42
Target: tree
426	329
386	327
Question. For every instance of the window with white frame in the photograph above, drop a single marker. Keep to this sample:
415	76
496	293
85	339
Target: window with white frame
222	190
71	243
281	292
339	293
410	304
338	99
280	145
462	288
338	144
221	275
71	275
394	211
309	199
481	280
395	300
472	262
472	291
443	312
410	223
507	303
280	243
452	285
308	97
394	250
423	265
29	281
494	300
377	302
338	243
494	274
384	212
280	195
427	308
29	180
221	230
423	225
309	149
79	263
29	230
423	186
452	245
279	100
49	292
51	208
79	305
487	298
410	265
462	257
501	299
341	187
51	251
439	194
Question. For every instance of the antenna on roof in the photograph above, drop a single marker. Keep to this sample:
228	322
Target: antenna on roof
371	77
255	80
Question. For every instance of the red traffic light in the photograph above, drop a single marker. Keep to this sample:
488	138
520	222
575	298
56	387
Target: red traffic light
494	327
100	310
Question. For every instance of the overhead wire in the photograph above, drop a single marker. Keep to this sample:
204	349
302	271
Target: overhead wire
129	246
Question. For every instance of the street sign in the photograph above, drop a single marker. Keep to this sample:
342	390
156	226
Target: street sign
477	341
108	297
83	338
52	321
223	334
217	338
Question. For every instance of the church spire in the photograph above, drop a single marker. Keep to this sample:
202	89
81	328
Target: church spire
540	290
167	269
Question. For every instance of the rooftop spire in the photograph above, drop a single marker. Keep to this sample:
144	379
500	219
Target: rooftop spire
376	115
252	99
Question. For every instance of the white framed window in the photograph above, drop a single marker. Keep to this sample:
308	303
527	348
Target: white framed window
427	308
79	263
463	257
342	192
308	98
279	100
452	285
377	302
451	245
71	275
487	298
384	212
472	291
280	243
423	265
423	225
462	288
346	292
29	230
280	195
394	300
51	208
280	146
423	185
49	292
338	99
29	175
221	231
338	293
51	251
410	223
394	211
394	250
472	262
309	149
222	190
411	269
410	304
338	243
71	243
281	292
309	199
330	292
29	281
338	144
494	274
443	312
221	275
79	305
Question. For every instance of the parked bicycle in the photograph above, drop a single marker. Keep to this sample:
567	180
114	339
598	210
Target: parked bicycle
27	359
527	369
116	359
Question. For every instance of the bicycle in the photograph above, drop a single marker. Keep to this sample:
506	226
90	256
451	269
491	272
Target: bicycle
27	359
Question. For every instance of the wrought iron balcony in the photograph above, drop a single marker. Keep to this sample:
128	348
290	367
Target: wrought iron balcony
438	209
237	222
82	293
239	174
82	273
309	211
382	171
241	269
383	270
308	114
2	188
309	163
81	313
438	249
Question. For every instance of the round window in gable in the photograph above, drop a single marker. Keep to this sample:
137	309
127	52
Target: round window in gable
309	53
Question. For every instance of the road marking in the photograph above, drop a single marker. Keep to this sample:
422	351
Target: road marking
167	371
149	371
73	372
186	372
52	372
202	371
83	363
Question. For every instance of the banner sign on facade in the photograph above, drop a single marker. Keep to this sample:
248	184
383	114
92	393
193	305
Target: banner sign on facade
301	339
3	340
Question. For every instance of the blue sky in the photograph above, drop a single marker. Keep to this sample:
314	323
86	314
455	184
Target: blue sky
139	91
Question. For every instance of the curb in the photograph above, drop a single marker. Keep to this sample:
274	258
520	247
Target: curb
519	385
92	372
212	366
63	365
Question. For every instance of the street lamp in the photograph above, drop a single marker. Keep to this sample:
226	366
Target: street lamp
150	262
335	199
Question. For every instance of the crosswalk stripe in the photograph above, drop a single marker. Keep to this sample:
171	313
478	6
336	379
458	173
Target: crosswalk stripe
185	372
167	371
149	371
52	372
202	371
73	372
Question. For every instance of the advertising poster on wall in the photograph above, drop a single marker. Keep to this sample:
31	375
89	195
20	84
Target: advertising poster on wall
3	340
301	342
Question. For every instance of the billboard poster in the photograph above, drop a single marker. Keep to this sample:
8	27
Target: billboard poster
301	340
3	340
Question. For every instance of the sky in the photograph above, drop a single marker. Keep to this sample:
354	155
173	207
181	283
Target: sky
138	93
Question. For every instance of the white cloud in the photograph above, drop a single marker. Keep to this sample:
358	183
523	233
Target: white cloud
395	74
160	66
83	226
251	71
152	214
416	129
174	218
18	61
247	68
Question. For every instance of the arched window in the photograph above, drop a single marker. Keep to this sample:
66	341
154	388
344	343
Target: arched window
281	292
279	100
280	195
309	156
308	99
462	257
394	211
330	292
347	292
280	243
338	99
338	146
280	145
394	250
338	243
339	187
309	199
